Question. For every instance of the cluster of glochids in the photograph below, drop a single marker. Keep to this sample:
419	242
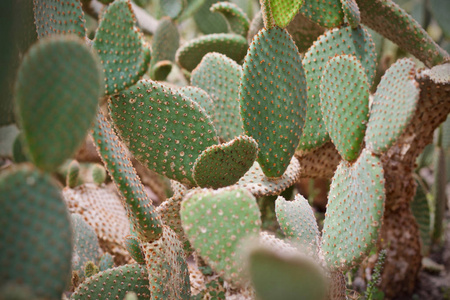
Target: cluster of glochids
224	140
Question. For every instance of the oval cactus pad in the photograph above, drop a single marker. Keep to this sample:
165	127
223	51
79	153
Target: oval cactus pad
222	165
165	130
354	212
273	98
344	99
345	40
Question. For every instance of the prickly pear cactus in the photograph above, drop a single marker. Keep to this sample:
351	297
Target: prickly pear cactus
57	91
34	216
132	244
273	108
123	52
236	18
355	211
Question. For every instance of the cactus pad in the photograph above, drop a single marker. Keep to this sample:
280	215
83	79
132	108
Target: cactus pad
344	99
207	21
328	13
220	77
132	245
259	185
217	222
85	243
59	17
354	212
106	262
222	165
115	284
35	235
167	267
199	96
57	92
297	220
123	52
273	107
394	23
232	45
166	41
139	207
393	106
356	42
73	172
236	18
172	8
285	276
162	128
283	11
351	11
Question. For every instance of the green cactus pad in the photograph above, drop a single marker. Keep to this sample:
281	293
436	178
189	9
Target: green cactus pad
90	269
217	222
115	284
167	267
297	220
236	18
273	107
344	99
393	106
232	45
85	243
344	40
285	276
328	13
283	11
199	96
57	92
172	8
132	245
73	172
222	165
98	173
259	185
106	262
388	19
304	32
163	129
351	11
166	41
123	51
139	207
35	235
59	17
354	212
207	21
220	77
267	15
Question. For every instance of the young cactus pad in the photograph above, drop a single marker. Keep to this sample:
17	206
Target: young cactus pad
273	98
217	222
236	18
115	283
162	128
354	212
139	208
57	91
123	51
351	11
344	99
59	17
222	165
394	104
132	245
344	40
167	267
283	11
298	223
220	77
232	45
35	235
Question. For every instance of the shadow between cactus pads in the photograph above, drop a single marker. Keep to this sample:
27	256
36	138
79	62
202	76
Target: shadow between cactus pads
354	212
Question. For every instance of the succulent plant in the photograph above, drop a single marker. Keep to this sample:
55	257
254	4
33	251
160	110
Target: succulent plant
254	106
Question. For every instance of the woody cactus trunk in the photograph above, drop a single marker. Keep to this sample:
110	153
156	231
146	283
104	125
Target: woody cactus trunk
237	114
